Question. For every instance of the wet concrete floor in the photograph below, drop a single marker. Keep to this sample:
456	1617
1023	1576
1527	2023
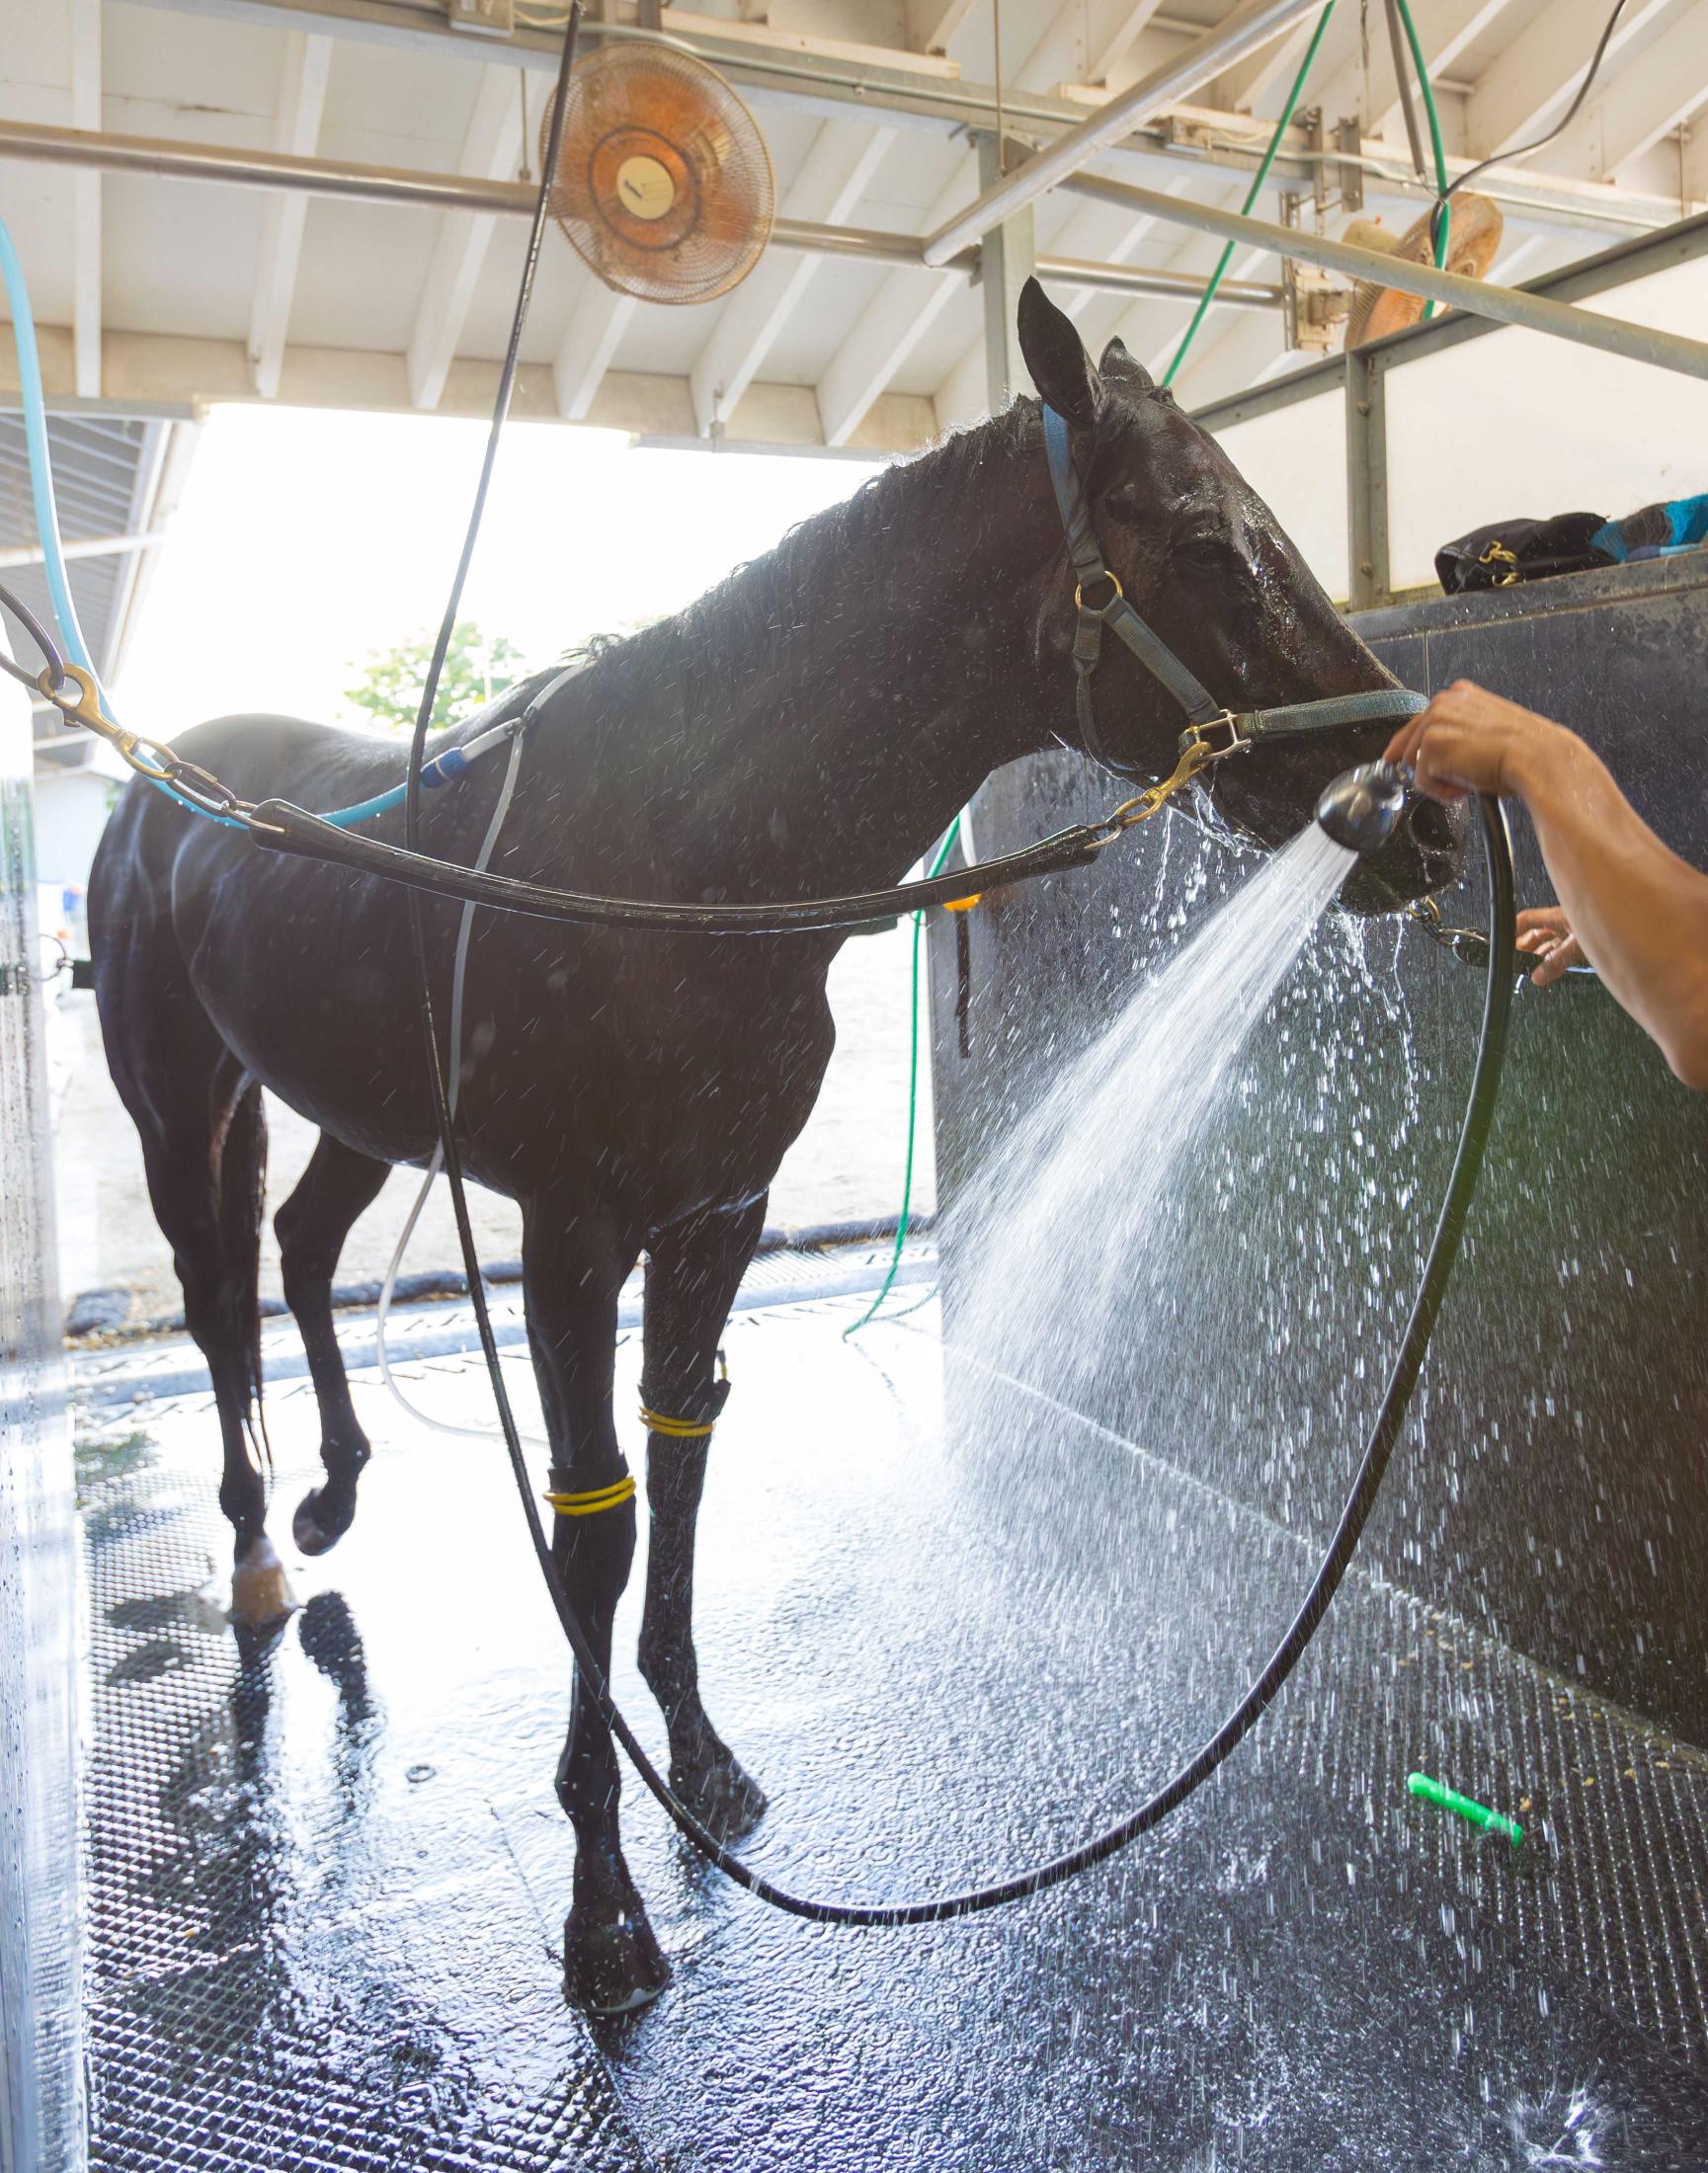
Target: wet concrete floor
327	1886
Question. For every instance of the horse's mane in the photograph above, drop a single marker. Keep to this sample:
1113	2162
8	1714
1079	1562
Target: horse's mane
917	507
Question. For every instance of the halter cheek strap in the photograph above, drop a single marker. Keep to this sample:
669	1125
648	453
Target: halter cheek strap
1212	730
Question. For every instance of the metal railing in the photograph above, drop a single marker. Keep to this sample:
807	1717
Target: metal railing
1361	379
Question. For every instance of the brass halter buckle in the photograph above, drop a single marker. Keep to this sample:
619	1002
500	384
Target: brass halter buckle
1200	746
1218	737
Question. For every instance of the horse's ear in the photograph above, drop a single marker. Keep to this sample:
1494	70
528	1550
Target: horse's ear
1056	357
1117	362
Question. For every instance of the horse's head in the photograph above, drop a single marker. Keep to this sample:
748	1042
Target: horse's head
1204	563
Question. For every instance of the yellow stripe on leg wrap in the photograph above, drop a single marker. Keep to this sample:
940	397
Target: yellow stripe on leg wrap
603	1497
679	1430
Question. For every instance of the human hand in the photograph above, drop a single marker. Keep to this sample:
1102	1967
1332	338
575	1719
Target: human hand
1545	934
1471	741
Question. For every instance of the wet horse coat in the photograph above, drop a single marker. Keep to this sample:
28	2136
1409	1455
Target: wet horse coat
805	730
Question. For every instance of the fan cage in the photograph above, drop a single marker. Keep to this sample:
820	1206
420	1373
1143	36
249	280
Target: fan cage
639	103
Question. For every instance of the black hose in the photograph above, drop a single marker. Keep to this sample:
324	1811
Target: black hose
1437	1268
1538	144
42	639
1378	1452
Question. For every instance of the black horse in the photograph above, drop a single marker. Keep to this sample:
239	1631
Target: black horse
807	729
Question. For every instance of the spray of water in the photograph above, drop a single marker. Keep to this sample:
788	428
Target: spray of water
1072	1193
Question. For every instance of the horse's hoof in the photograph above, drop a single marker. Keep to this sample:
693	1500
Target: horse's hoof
613	1967
306	1529
261	1594
726	1799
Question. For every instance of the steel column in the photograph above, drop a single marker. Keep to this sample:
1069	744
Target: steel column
1366	482
1006	262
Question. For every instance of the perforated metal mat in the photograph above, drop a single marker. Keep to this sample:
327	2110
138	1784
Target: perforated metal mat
327	1883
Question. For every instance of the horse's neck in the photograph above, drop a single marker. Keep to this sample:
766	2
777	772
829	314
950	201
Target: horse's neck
906	670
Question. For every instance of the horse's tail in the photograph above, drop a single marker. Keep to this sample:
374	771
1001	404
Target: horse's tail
240	1180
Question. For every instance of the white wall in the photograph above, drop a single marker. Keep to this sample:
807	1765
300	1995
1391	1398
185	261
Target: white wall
71	812
1512	423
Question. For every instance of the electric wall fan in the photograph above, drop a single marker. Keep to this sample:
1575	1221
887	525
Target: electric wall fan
663	186
1471	247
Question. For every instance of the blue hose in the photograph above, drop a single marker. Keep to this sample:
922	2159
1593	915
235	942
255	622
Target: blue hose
40	458
35	441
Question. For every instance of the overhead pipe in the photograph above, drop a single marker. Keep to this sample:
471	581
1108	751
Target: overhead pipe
1248	28
1636	343
164	158
86	546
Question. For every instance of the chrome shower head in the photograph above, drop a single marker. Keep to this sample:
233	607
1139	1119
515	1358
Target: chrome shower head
1361	807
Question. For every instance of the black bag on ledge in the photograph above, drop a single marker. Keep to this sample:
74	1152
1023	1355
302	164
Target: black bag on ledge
1511	551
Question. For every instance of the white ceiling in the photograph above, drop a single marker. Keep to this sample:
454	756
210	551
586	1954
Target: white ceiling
148	286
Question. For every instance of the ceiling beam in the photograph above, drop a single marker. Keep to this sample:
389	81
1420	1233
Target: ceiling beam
295	131
596	325
931	24
1250	26
888	329
1654	93
86	112
1446	29
1121	41
83	546
907	305
1526	88
1242	87
167	375
834	176
491	148
849	90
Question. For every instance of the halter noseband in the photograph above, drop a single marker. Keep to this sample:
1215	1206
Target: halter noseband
1212	731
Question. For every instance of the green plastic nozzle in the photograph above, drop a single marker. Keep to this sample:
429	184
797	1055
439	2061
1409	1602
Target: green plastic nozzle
1479	1814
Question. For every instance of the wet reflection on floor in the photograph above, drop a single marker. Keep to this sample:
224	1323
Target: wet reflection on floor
329	1875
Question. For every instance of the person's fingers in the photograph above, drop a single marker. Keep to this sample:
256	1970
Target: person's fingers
1558	961
1403	746
1434	767
1544	924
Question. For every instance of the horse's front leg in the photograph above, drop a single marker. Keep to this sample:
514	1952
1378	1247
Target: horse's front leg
572	1273
692	1273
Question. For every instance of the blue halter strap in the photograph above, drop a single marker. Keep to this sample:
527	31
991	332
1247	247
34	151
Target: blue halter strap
1210	726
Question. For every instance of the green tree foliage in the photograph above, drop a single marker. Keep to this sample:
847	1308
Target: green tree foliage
477	666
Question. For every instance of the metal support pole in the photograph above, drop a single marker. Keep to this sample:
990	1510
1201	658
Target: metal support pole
1637	343
171	159
1366	481
1006	263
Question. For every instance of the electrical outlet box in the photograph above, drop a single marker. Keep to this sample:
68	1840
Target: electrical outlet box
487	17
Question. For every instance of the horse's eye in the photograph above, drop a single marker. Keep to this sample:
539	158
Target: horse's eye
1203	550
1124	504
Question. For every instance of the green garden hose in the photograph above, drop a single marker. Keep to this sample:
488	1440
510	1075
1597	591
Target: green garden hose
1443	221
1256	190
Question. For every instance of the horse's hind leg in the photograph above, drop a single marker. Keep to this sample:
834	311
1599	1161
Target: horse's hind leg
692	1273
312	1225
204	1136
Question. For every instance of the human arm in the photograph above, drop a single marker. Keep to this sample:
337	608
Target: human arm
1638	913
